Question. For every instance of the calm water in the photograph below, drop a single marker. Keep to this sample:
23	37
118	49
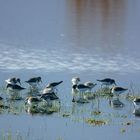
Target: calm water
57	40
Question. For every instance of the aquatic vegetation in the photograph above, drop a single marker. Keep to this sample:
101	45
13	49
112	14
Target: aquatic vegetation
4	106
59	138
95	122
103	92
130	97
96	112
89	95
66	114
127	123
123	130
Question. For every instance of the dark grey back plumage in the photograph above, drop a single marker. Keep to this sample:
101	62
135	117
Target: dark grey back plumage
120	89
14	87
136	100
82	86
108	80
50	96
34	80
54	84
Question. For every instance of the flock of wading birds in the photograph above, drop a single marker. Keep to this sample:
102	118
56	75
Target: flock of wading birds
81	92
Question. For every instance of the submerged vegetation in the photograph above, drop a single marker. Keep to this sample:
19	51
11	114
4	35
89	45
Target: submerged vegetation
95	122
96	108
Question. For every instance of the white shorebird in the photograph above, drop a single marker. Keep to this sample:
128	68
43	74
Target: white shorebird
107	81
118	90
75	80
13	81
76	87
81	87
48	93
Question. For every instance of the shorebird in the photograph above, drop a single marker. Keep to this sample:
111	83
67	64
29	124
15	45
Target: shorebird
33	82
48	90
136	102
32	100
14	87
53	85
117	90
48	93
49	96
75	80
13	81
90	85
107	81
81	88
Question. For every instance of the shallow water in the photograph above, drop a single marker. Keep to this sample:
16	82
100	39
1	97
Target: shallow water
92	39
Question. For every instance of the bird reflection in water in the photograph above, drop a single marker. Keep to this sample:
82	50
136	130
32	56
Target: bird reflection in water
115	102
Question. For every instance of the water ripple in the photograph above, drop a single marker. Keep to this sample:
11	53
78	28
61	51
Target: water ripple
59	60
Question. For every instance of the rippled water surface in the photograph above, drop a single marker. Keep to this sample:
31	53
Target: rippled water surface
57	40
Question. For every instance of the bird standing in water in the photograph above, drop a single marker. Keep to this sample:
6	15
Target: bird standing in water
53	85
91	85
34	82
118	90
75	80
